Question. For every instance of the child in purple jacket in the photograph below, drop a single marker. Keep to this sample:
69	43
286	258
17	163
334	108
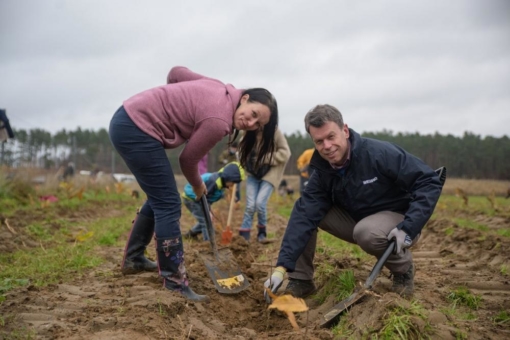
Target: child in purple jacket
197	111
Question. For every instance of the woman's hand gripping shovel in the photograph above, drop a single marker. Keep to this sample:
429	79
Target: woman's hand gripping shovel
226	235
333	314
220	264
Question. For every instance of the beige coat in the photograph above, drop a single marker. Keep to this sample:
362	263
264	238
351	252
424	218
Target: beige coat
280	158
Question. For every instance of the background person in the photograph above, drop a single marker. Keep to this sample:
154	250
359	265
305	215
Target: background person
215	183
361	190
197	111
303	162
230	155
260	184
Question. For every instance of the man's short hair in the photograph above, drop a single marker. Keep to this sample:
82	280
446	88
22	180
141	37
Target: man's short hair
321	114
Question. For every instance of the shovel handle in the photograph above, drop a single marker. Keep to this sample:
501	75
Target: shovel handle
378	266
232	202
209	225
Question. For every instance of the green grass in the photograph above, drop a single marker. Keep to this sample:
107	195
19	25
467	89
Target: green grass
67	248
339	284
504	232
331	245
462	296
20	334
398	323
465	223
342	329
502	318
284	211
47	266
503	270
461	335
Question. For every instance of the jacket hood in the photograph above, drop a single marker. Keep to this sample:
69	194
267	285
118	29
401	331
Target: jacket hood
232	172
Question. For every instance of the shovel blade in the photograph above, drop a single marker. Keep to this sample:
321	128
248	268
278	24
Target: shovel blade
226	236
334	313
224	271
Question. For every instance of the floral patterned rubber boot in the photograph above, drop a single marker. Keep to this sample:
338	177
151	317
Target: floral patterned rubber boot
171	267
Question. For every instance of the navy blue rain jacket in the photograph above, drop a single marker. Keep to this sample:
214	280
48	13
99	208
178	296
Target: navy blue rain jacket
381	176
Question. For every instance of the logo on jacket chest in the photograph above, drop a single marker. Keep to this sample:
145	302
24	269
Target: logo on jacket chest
368	181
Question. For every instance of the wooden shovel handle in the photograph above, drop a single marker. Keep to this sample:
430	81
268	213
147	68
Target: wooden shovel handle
232	202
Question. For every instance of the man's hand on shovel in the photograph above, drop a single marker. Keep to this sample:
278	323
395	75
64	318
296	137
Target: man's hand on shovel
403	240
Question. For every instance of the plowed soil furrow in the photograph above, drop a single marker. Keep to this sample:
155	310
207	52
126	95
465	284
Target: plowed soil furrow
104	304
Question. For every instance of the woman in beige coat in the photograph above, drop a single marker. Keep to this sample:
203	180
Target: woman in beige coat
260	185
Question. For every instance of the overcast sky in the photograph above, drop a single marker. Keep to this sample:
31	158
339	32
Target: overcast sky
405	66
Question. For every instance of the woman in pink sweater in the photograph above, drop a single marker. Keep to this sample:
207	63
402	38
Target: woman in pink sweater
197	111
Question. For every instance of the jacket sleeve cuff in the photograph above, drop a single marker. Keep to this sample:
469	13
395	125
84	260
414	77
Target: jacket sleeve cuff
289	266
411	232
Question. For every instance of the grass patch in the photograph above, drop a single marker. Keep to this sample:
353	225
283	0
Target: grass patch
42	267
333	246
66	249
342	329
39	231
8	284
340	285
19	334
399	324
462	296
502	318
284	211
503	270
464	223
504	232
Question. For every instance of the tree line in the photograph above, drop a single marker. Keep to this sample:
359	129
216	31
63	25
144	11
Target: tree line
468	156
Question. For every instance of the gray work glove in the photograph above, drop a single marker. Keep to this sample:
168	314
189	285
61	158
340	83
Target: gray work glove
402	240
274	282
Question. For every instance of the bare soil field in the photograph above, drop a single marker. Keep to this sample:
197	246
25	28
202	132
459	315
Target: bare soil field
104	304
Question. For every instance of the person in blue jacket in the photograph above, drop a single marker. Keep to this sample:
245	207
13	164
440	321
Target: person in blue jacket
215	182
361	190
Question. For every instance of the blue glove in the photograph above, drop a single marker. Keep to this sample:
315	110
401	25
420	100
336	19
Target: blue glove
402	240
274	282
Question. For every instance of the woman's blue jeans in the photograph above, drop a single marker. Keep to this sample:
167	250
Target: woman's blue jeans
147	160
257	194
196	210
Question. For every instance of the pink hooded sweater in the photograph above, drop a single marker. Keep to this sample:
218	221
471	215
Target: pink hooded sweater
191	109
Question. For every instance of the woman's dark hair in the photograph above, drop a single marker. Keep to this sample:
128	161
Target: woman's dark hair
249	140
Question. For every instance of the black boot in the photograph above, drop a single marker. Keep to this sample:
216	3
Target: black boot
140	236
172	269
300	288
261	234
403	284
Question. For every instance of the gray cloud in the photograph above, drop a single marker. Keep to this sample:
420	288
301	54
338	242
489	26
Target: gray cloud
424	66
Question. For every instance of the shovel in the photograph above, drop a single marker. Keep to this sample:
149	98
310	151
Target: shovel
221	265
333	314
226	235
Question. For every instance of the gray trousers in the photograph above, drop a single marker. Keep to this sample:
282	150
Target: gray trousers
371	234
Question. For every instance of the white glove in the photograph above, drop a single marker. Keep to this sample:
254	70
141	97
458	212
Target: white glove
274	282
402	240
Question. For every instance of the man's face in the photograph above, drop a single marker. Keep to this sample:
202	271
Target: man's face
331	142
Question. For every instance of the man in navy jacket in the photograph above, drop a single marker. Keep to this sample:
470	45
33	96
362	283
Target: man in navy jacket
361	190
